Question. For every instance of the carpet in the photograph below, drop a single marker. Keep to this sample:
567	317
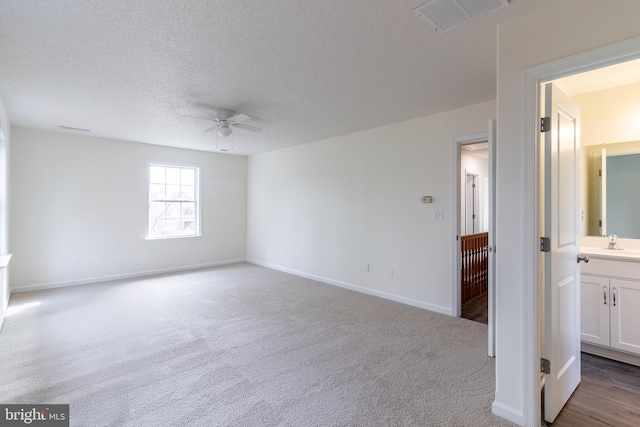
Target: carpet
242	345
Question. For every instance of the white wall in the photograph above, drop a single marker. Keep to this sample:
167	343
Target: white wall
556	29
474	165
610	116
5	151
327	208
79	203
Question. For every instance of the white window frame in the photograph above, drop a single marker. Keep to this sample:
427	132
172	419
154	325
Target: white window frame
197	200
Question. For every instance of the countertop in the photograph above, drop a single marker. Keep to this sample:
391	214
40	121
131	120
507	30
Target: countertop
611	254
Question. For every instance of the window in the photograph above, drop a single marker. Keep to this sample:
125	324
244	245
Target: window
173	201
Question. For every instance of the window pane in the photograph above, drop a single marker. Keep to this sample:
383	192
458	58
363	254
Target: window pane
170	227
188	210
156	192
156	174
156	218
173	192
173	210
187	193
188	176
157	210
173	176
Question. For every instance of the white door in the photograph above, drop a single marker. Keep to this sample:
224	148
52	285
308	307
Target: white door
562	271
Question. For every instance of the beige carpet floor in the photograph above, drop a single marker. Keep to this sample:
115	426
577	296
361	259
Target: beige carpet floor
242	345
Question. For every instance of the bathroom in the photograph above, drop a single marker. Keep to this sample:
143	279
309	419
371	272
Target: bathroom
609	214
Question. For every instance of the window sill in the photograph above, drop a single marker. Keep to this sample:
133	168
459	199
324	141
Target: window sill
163	239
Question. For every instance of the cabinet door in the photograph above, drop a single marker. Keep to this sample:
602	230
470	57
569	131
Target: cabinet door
625	315
594	309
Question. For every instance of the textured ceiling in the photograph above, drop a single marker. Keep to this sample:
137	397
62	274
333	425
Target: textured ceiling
303	70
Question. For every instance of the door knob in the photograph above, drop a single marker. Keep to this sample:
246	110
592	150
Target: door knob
583	258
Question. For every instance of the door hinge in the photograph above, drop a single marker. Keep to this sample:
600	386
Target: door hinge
600	223
545	366
545	244
599	172
545	124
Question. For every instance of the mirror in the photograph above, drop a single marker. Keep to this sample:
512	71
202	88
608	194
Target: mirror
611	202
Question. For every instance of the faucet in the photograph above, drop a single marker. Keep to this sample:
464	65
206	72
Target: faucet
613	242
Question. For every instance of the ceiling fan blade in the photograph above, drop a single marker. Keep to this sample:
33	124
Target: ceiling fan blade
247	127
211	128
239	118
199	118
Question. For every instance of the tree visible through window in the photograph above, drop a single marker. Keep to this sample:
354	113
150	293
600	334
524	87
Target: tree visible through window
173	201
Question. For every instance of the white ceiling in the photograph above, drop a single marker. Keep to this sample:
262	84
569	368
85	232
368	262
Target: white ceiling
304	71
621	74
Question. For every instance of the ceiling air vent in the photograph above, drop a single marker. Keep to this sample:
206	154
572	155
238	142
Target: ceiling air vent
445	15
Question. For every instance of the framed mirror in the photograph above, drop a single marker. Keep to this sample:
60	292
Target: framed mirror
611	173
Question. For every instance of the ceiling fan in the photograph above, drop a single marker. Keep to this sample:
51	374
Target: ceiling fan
227	119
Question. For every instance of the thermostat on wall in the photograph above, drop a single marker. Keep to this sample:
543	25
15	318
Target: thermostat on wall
427	199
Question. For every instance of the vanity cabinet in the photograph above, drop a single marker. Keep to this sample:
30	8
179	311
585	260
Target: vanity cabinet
594	310
610	312
610	305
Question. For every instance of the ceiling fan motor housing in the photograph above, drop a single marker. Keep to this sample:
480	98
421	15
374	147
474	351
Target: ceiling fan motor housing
223	115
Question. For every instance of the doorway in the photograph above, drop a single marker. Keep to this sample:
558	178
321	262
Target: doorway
532	303
474	240
474	225
614	102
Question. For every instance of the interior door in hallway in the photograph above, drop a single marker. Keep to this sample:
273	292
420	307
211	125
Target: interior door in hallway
561	267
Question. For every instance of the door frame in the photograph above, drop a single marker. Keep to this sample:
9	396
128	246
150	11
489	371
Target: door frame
532	78
458	142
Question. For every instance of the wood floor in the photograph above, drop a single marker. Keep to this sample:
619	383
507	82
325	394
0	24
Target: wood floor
477	309
608	395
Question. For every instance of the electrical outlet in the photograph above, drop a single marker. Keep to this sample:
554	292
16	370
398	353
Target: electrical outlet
438	214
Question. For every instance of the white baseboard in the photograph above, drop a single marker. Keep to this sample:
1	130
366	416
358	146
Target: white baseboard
40	287
385	295
610	353
507	412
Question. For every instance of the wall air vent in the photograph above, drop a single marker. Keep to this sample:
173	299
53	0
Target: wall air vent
445	15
